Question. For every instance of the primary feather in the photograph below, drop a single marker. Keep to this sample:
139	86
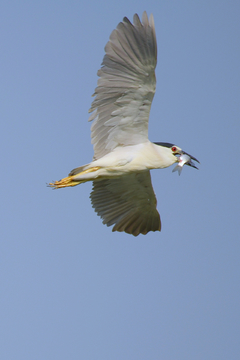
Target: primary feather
126	86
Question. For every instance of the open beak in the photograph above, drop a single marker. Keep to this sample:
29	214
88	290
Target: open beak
190	162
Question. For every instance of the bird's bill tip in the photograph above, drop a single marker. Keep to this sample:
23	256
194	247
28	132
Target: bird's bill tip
192	158
190	163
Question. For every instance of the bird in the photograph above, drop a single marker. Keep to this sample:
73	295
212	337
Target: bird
122	193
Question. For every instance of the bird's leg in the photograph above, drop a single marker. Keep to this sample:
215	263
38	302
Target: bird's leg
73	180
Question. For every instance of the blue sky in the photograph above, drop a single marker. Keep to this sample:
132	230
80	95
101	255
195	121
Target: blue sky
70	288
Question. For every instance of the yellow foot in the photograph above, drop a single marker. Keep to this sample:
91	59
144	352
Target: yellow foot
71	180
67	181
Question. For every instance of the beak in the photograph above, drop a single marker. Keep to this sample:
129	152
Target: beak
190	162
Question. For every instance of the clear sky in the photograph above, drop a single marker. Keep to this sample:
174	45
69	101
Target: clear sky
69	287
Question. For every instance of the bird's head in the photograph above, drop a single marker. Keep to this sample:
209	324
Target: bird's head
176	154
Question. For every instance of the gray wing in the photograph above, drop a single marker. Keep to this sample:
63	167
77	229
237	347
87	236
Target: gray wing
128	202
126	86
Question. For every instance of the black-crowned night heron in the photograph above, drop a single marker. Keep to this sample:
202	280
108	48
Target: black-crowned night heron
122	191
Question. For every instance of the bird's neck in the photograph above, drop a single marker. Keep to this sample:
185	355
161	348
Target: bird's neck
164	156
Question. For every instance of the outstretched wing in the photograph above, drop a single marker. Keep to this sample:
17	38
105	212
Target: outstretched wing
126	86
128	202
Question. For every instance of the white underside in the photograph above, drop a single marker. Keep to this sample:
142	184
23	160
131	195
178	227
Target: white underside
127	159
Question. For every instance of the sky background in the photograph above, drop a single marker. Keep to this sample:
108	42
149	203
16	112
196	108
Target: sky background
69	287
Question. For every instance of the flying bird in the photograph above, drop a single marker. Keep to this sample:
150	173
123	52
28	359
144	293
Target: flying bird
122	193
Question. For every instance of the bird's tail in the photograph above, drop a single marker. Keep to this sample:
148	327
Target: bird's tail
75	177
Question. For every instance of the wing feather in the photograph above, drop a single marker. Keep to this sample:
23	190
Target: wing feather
127	202
126	86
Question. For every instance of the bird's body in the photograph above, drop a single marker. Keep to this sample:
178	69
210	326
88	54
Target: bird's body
120	161
123	155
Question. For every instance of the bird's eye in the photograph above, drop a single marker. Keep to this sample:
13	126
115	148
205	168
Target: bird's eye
174	149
